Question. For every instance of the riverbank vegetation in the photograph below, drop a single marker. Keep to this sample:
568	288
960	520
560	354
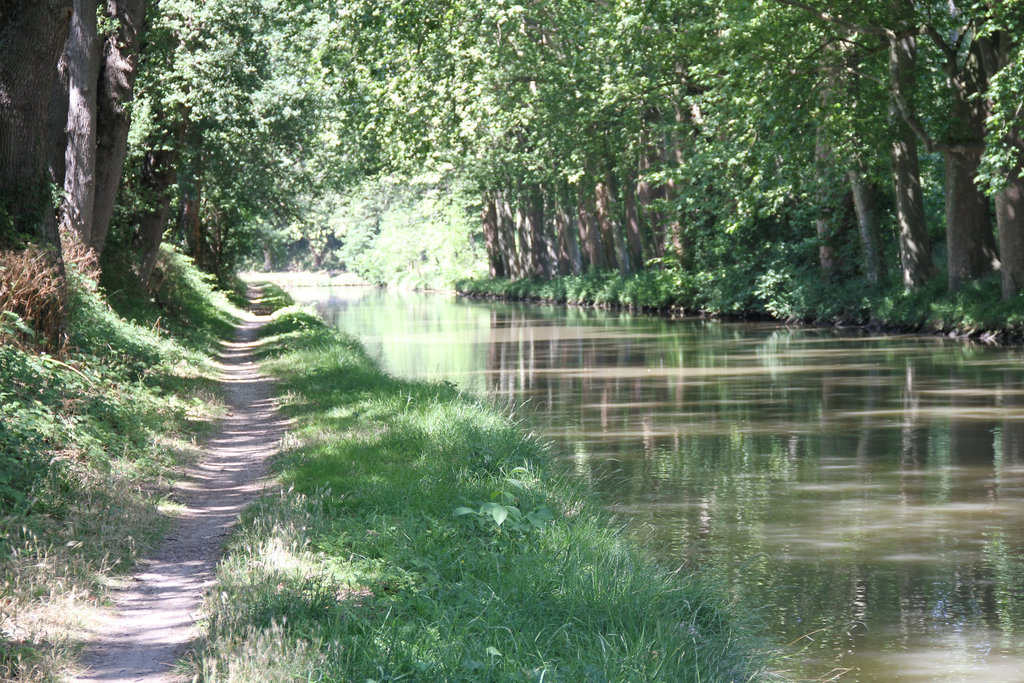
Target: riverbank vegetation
972	310
92	434
421	534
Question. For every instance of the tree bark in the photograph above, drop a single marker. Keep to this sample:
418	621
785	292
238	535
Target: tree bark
119	67
970	242
572	234
563	228
523	234
33	34
915	247
589	236
268	258
489	221
631	219
1010	221
506	224
605	221
533	203
83	60
866	206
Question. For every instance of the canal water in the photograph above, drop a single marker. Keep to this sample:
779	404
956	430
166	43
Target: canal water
863	493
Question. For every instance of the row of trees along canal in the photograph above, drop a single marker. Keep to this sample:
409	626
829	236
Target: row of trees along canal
755	141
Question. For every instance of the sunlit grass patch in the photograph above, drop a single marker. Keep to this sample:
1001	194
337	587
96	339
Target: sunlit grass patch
423	536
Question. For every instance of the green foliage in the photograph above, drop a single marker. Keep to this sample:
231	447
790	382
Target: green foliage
785	293
423	537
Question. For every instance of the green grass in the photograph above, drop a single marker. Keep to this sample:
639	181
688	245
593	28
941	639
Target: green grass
420	535
90	445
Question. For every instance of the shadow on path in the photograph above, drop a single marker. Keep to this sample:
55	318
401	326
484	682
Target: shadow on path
154	618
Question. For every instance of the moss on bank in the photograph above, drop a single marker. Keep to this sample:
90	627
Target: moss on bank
90	443
974	310
421	535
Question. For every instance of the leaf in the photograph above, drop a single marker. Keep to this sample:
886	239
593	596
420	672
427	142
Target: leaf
498	512
493	651
459	511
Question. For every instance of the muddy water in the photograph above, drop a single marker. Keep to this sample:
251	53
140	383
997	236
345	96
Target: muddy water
865	492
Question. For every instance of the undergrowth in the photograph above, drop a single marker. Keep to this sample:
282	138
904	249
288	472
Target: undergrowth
421	535
786	293
90	442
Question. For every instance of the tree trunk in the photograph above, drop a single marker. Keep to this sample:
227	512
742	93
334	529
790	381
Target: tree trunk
489	221
158	175
83	59
589	236
866	206
997	53
822	227
523	234
506	223
915	247
914	244
563	228
119	67
572	234
970	242
33	34
534	207
605	222
1010	220
631	219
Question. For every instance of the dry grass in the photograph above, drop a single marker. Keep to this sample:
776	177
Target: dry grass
34	294
33	289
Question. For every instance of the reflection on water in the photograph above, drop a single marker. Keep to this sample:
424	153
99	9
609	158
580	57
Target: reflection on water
868	491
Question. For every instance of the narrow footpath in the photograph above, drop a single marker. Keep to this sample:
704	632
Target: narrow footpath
155	616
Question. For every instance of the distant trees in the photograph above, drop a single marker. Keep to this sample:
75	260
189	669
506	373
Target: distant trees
669	130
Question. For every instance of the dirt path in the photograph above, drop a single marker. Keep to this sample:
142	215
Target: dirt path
155	616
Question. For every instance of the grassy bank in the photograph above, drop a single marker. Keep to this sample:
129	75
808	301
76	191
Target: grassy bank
974	310
91	438
421	535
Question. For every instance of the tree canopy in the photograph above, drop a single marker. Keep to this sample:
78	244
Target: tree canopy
767	142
